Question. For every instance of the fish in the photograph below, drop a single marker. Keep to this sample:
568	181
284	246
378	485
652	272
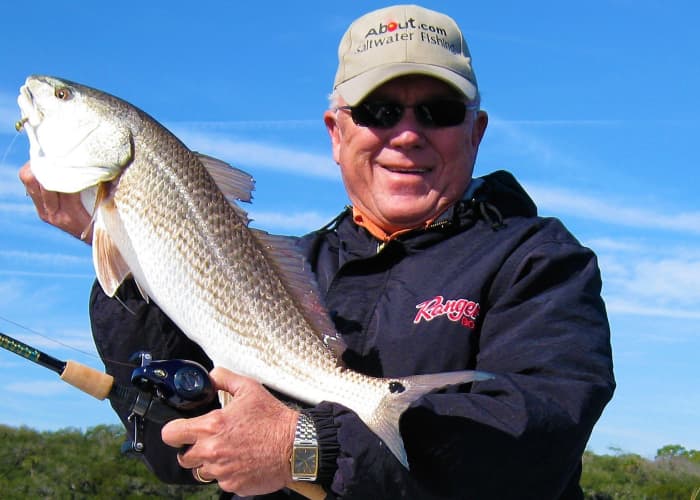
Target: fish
171	219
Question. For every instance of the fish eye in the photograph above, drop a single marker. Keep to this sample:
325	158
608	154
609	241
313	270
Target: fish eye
63	93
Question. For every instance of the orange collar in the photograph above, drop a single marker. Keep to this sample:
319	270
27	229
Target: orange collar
376	231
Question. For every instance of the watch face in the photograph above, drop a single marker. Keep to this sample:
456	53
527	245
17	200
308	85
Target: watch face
305	461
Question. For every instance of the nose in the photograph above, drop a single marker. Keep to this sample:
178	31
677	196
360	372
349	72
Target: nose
407	133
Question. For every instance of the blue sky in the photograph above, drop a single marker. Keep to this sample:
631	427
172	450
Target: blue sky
593	105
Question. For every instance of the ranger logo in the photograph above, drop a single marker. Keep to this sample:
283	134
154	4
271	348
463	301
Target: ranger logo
462	311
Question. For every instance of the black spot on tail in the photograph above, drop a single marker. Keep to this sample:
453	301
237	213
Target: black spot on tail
395	387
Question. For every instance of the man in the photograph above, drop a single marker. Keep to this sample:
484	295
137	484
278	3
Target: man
431	270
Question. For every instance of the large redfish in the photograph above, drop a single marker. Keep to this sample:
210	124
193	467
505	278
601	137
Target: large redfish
167	216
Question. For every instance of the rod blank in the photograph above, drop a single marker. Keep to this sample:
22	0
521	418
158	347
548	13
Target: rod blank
28	352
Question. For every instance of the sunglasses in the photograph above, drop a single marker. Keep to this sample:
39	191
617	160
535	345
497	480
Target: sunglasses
432	114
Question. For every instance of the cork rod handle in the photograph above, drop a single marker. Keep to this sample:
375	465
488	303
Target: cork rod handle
95	383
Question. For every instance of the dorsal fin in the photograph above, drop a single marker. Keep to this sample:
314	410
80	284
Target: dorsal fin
233	183
300	282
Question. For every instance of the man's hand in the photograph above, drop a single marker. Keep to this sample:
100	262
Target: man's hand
246	446
65	211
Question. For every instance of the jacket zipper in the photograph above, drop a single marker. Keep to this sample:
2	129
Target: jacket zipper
435	225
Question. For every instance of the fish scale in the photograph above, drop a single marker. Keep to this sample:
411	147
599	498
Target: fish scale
164	215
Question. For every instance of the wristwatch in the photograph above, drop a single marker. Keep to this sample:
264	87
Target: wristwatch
305	450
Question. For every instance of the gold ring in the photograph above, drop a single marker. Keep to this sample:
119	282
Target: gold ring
198	477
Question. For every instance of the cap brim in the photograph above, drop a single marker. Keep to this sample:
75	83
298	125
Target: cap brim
355	89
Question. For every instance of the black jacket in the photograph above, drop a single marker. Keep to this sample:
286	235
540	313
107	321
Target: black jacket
489	286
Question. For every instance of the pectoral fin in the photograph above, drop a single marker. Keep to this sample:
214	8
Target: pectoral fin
110	266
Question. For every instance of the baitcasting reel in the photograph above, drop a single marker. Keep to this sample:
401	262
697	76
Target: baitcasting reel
167	389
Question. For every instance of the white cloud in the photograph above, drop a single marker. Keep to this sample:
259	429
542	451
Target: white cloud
42	274
55	259
616	305
244	125
37	387
10	185
289	222
518	141
554	123
665	281
72	341
567	202
17	209
11	291
9	113
647	279
263	155
610	244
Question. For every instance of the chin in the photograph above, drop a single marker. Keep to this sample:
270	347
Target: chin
407	220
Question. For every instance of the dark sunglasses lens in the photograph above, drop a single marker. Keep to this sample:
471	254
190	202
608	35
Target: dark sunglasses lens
377	114
446	113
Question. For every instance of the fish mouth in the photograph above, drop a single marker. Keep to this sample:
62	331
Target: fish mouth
29	114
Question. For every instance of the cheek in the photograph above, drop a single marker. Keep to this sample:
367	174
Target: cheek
456	151
356	153
458	165
355	174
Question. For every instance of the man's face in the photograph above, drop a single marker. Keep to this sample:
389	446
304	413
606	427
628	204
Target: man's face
405	175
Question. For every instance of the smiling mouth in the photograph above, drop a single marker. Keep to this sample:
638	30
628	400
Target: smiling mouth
398	170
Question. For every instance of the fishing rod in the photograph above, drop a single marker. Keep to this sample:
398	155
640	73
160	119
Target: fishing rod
162	390
88	380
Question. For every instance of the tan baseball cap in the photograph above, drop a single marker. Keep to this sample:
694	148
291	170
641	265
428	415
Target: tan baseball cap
402	40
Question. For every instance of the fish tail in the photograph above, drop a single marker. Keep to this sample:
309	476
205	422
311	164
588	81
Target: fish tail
401	393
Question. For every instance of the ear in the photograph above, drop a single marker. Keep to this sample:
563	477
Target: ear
330	118
479	128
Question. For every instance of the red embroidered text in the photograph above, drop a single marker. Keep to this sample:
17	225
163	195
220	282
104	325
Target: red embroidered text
458	310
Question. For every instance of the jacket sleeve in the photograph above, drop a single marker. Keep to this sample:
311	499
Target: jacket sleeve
124	325
545	336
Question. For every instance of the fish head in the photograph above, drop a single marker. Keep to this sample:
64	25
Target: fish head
78	136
